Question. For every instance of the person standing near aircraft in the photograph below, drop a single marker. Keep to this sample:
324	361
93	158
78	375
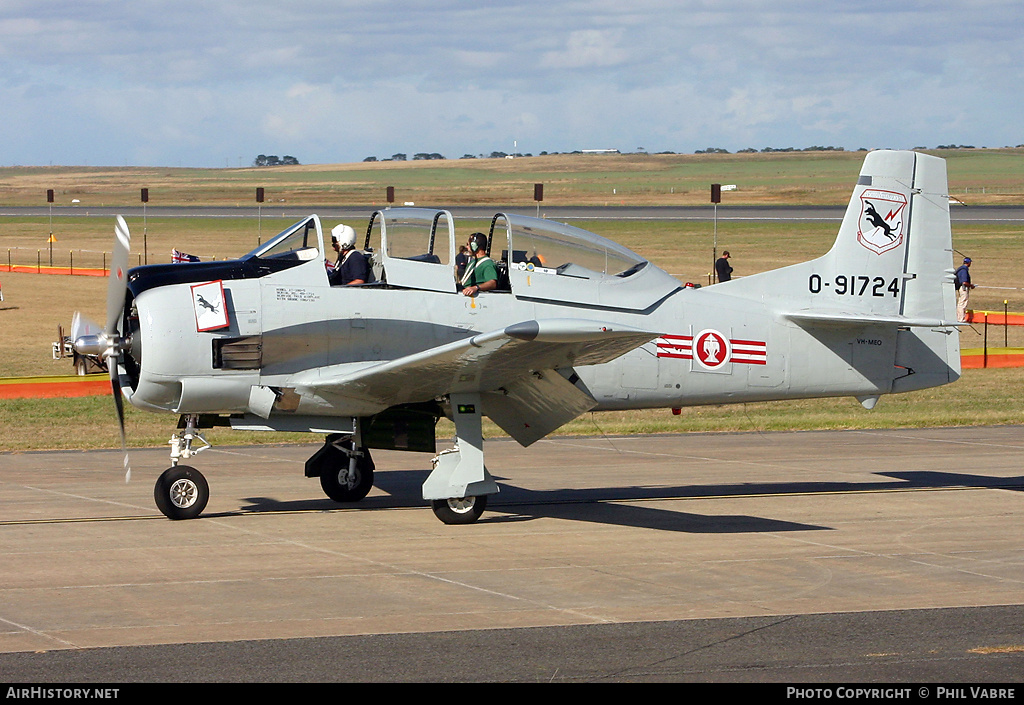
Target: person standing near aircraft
461	260
352	267
481	273
722	267
963	289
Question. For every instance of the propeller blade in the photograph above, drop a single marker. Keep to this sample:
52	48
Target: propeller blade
118	281
80	325
116	286
115	385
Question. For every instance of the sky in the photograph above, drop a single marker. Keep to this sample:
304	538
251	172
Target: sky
195	83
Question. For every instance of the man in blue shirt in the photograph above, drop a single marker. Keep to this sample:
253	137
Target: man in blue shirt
352	267
963	288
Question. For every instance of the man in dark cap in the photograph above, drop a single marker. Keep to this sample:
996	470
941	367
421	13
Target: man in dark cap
963	289
722	267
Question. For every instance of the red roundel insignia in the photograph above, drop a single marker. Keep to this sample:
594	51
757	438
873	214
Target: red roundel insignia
712	349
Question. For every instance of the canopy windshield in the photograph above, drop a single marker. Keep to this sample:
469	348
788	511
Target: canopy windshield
570	250
300	241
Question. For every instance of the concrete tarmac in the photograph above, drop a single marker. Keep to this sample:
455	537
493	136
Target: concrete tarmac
620	536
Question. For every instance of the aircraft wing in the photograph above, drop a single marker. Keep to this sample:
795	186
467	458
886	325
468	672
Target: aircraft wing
519	361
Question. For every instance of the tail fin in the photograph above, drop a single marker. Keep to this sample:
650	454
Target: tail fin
891	261
889	271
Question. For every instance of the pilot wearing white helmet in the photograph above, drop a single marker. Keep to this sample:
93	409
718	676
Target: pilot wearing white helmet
352	267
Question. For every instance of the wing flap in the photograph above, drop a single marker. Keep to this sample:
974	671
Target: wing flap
536	405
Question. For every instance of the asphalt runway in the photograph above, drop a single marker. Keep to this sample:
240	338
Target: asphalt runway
765	557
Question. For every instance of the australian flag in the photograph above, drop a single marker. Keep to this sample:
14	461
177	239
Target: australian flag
179	257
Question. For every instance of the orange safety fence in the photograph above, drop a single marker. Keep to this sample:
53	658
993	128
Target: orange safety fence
54	387
979	358
45	269
996	318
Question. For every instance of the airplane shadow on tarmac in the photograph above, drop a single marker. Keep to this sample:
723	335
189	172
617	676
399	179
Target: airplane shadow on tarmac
618	505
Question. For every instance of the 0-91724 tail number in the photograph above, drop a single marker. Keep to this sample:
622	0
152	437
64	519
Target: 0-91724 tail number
854	285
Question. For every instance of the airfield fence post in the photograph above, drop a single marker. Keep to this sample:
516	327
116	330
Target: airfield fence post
104	261
1006	317
71	261
985	357
39	263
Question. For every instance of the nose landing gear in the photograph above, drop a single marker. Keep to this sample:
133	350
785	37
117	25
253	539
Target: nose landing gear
181	491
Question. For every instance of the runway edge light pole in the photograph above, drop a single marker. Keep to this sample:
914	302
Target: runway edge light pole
49	202
259	216
716	198
144	195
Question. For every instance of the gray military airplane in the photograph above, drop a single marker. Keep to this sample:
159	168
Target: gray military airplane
576	323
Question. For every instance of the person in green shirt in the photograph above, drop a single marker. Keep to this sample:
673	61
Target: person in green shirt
481	273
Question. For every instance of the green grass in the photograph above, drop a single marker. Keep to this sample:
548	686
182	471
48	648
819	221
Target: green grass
981	397
975	176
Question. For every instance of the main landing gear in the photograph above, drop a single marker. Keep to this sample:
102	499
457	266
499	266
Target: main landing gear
345	470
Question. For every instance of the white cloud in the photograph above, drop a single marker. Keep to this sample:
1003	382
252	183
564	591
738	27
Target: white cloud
198	83
587	48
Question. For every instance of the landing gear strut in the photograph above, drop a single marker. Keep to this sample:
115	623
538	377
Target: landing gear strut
182	492
459	484
345	470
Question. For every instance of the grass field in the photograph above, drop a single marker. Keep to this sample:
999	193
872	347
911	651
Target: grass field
820	178
981	397
35	304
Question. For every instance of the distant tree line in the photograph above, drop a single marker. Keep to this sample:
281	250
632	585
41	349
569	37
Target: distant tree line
273	160
400	157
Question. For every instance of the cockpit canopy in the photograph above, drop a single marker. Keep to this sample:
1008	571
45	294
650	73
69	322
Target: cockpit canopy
552	261
538	259
301	241
570	250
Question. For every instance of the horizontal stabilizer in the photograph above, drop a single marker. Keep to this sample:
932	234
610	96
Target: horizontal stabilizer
839	319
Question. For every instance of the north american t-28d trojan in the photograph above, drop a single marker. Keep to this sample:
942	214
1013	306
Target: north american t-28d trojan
576	323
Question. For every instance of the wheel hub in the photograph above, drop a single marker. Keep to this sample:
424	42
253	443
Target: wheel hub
347	479
184	493
462	505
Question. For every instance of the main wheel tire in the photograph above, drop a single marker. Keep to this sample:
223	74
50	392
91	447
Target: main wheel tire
336	483
459	510
181	492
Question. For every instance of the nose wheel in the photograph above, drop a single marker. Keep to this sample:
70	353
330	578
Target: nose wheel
181	492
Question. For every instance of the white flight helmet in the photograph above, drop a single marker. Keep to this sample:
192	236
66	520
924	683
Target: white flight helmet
345	236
